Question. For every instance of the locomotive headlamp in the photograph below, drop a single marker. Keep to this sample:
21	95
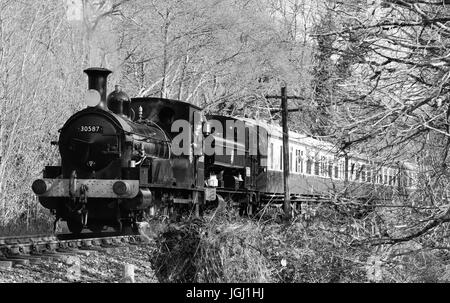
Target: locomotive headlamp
207	128
213	181
39	187
121	188
92	98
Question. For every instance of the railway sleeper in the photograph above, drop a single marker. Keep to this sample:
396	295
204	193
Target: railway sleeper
86	243
38	248
17	261
86	253
51	246
75	244
60	256
96	242
19	249
106	241
109	249
33	259
66	251
5	263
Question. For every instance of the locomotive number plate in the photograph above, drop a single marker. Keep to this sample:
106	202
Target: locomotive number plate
90	129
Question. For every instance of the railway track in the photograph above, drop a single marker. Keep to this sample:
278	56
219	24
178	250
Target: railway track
25	250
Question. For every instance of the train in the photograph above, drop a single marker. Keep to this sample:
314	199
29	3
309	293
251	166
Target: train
122	159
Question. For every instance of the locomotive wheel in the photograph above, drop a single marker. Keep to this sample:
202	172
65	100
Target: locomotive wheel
244	209
129	229
247	209
251	209
96	228
74	226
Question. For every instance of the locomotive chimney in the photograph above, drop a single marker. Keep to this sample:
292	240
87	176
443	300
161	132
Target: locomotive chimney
97	77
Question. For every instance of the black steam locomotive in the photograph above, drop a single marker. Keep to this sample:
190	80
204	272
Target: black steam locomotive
118	163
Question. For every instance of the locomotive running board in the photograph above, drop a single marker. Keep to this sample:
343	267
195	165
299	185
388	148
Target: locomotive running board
96	188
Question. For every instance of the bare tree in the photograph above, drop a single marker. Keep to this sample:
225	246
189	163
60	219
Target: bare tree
389	81
39	55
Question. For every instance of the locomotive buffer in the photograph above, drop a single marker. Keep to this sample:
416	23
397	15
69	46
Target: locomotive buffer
284	118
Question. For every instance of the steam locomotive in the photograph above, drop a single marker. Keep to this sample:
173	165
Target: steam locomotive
118	163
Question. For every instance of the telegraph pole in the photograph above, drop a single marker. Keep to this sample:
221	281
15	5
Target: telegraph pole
286	168
286	165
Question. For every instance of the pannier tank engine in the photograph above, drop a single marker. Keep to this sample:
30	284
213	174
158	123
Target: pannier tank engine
99	182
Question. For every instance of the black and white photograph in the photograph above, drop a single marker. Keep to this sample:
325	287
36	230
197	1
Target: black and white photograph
224	145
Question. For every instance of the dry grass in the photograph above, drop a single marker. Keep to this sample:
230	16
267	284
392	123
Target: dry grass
227	248
230	252
211	250
28	226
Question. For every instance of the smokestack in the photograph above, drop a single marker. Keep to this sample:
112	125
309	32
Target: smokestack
97	77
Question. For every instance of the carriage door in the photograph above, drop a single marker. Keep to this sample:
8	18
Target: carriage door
251	155
197	147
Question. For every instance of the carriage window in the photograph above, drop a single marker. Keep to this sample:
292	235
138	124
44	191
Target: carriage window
281	157
317	167
321	166
301	161
330	169
308	166
363	173
290	159
369	174
271	166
